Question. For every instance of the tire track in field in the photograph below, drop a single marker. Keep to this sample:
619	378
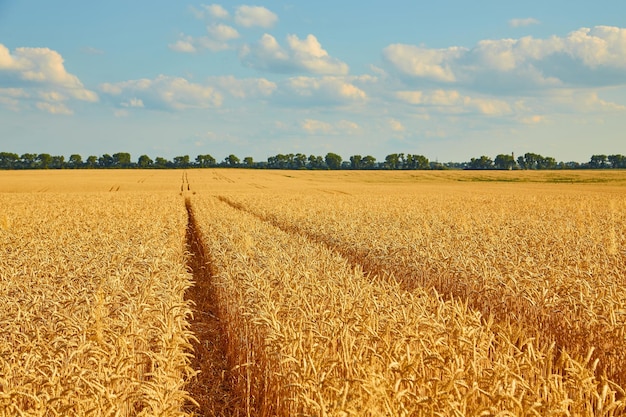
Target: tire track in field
211	388
577	338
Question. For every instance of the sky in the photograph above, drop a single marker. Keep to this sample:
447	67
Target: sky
449	79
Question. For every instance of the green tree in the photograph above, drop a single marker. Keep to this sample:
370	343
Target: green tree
121	160
28	160
392	161
57	162
369	162
144	161
484	162
181	161
105	161
333	161
355	161
617	161
231	160
504	161
44	160
160	162
248	161
75	161
205	161
92	161
9	160
599	161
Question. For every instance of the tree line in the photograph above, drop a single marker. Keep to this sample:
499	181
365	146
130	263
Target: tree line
333	161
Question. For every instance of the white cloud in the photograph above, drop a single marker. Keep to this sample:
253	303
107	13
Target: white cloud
301	55
528	21
222	32
322	91
251	16
164	92
244	88
53	108
585	57
215	11
451	101
316	126
415	61
41	68
396	125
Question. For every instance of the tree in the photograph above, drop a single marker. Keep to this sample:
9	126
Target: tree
392	161
248	161
44	160
231	160
57	162
144	161
160	162
369	162
416	162
504	161
92	161
484	162
333	161
9	160
316	162
205	161
355	161
75	161
617	161
598	161
28	160
300	161
121	160
181	161
105	161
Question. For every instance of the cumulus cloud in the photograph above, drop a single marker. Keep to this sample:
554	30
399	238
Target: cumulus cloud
528	21
244	88
451	101
585	57
218	39
327	90
215	11
251	16
314	127
300	55
396	125
163	92
39	72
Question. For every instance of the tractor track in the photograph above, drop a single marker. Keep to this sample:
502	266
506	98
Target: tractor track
211	388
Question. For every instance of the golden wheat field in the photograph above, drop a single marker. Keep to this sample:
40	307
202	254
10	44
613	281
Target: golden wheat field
231	292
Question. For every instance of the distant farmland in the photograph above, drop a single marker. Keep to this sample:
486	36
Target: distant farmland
316	293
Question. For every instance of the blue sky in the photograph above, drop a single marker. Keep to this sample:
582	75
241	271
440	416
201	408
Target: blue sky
450	80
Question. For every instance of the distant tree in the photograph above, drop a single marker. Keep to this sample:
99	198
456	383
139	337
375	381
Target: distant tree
248	161
121	160
9	160
144	161
57	162
316	162
300	161
617	161
333	161
484	162
28	161
599	161
416	162
92	161
535	161
355	161
75	161
504	161
105	161
205	161
44	160
231	160
392	161
181	161
368	162
160	162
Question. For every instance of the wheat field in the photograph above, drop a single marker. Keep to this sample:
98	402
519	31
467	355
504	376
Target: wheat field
283	293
